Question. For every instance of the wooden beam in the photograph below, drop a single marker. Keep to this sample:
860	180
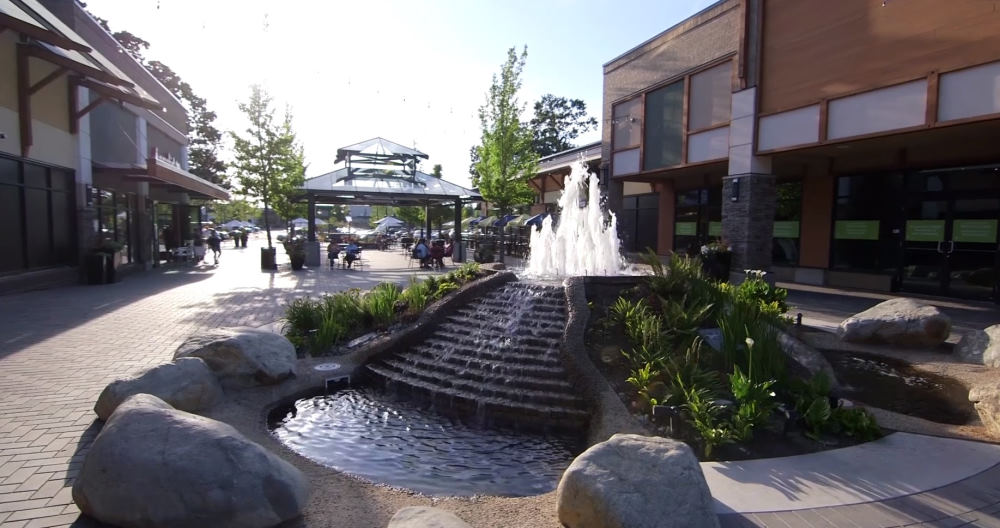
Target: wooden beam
46	80
824	119
111	93
85	110
685	120
24	100
73	65
39	33
932	99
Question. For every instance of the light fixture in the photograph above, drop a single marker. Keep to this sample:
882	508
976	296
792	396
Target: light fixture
734	193
347	196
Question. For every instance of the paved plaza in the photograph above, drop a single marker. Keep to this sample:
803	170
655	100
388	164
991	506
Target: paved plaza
60	347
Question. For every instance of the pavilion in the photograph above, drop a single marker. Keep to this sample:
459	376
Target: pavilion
380	172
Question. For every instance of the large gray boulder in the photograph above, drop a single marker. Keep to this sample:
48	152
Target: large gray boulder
153	466
186	384
987	402
243	357
807	357
980	346
634	481
897	321
425	517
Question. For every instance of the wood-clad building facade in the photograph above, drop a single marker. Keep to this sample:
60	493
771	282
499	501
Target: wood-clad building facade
855	145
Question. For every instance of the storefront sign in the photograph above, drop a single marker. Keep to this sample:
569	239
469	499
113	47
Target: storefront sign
686	228
979	231
856	230
715	229
786	229
924	230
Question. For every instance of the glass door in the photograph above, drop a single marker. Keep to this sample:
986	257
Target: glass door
950	233
971	250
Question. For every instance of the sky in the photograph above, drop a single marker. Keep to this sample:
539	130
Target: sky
411	71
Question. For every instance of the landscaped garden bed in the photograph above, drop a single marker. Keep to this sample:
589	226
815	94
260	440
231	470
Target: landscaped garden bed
740	398
316	326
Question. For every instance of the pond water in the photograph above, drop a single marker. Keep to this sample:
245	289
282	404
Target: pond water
894	385
404	444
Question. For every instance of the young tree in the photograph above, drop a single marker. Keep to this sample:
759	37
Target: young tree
506	157
557	122
412	215
293	168
268	162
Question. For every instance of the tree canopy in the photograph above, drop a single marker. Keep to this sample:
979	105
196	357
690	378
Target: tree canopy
268	161
507	159
557	122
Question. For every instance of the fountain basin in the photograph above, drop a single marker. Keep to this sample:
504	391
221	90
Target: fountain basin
407	443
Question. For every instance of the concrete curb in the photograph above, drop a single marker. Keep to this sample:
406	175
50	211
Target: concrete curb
610	415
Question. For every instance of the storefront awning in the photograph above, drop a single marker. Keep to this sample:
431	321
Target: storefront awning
160	172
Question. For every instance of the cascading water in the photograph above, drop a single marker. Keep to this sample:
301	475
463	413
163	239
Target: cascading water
584	243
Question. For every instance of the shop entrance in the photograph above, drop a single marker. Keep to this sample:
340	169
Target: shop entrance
949	234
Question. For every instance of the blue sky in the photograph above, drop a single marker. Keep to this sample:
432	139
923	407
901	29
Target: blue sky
414	72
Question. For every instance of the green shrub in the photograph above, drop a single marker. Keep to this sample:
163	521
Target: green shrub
677	276
302	318
444	288
854	422
704	415
468	271
754	397
380	304
417	295
744	321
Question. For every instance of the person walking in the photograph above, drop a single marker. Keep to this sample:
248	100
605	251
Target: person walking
215	242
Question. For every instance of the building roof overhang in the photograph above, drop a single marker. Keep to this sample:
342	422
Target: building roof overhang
160	172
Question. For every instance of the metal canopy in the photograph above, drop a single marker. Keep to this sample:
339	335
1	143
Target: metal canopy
374	156
385	188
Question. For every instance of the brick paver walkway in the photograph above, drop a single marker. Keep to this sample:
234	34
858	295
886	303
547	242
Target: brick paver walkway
60	347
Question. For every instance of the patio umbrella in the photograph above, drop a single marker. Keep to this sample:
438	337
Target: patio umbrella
390	221
469	222
503	221
489	221
536	220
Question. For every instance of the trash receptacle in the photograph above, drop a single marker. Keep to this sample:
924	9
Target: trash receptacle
267	260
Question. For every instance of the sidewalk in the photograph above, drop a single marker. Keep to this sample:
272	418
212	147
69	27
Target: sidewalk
60	347
826	307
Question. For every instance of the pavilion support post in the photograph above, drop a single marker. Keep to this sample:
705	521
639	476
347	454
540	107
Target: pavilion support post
312	245
457	248
427	220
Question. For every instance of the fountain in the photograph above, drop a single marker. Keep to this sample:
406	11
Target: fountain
584	242
484	403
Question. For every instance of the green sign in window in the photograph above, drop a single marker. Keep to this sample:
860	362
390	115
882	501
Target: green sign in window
979	231
924	230
715	229
855	230
786	229
686	228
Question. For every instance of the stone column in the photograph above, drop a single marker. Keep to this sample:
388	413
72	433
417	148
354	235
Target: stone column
665	217
748	192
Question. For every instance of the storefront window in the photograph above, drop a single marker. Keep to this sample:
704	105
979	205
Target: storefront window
36	212
862	221
627	123
639	222
114	216
698	218
787	218
711	97
664	126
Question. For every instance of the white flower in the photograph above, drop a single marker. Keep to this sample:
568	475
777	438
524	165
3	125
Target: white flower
750	342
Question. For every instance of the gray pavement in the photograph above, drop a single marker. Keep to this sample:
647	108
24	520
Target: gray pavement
60	347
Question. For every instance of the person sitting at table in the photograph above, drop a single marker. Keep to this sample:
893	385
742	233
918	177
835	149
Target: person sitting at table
437	254
352	250
332	253
422	253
